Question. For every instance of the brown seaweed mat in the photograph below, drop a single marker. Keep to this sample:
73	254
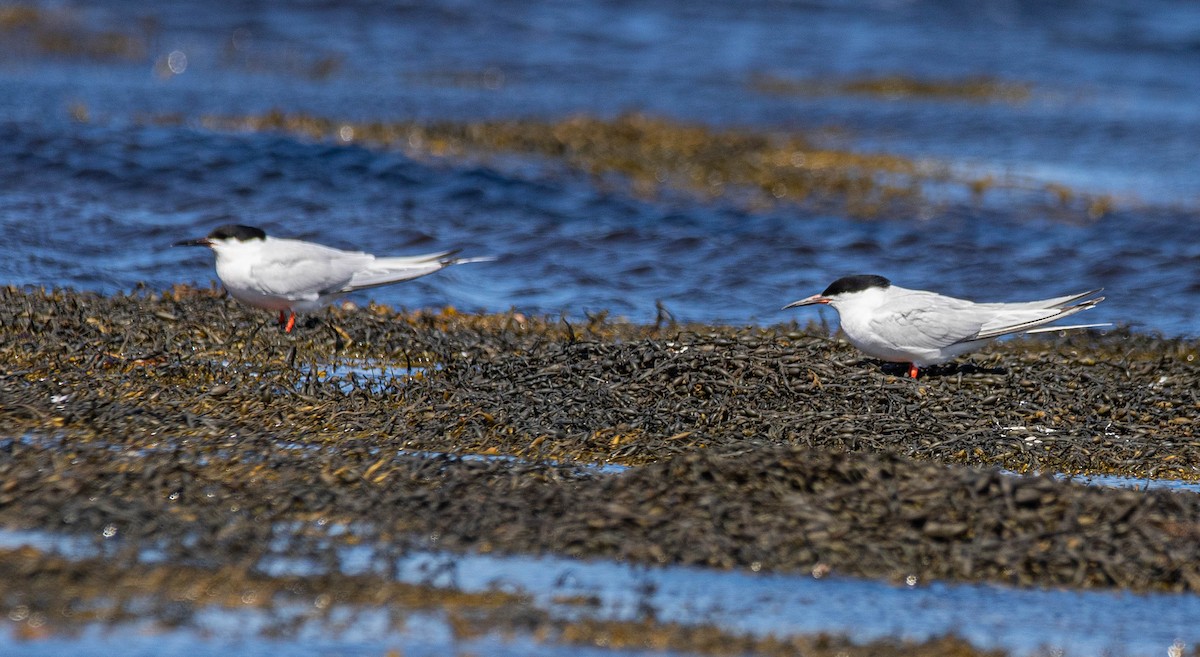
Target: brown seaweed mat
183	421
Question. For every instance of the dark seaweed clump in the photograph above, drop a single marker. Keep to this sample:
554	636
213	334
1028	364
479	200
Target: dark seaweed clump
653	154
182	415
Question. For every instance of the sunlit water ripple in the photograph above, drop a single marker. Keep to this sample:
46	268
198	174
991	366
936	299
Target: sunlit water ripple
94	204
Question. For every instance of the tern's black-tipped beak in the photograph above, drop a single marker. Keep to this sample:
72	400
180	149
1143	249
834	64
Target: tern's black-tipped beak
808	301
203	241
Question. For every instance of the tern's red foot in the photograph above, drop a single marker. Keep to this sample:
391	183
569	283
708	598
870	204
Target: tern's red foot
291	322
912	370
282	317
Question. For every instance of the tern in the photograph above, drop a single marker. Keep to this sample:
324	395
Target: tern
923	328
293	275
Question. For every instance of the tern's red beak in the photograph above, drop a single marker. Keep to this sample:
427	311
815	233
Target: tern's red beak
203	241
808	301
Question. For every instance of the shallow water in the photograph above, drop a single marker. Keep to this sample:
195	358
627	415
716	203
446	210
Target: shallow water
94	203
1116	481
218	633
364	375
989	616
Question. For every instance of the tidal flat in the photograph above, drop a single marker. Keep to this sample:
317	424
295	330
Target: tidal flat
213	447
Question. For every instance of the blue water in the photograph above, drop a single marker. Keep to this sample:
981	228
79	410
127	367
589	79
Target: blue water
1113	110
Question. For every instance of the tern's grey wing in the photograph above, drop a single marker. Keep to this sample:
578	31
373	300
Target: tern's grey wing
918	320
304	271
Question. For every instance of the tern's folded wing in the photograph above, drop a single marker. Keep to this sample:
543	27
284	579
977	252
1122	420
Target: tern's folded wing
382	271
926	321
308	274
1024	320
1043	304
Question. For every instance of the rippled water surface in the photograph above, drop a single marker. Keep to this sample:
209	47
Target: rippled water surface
96	185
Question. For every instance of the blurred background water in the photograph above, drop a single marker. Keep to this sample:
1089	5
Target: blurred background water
94	184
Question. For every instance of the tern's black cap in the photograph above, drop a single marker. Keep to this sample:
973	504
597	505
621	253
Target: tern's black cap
855	283
237	231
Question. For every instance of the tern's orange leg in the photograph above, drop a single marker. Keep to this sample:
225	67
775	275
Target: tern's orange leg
282	317
912	370
291	322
